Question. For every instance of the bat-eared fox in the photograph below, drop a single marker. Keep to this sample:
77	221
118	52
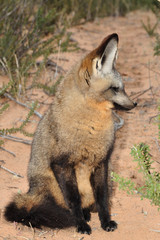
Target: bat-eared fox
68	168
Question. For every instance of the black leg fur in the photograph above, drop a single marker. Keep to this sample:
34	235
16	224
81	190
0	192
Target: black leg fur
87	214
99	184
66	178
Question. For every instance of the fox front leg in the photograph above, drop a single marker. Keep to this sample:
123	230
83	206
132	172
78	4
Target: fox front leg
101	193
67	181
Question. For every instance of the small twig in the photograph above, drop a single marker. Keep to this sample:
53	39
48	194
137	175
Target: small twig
59	50
54	66
151	69
62	59
25	238
149	77
153	117
154	230
22	104
42	233
142	92
121	121
156	143
6	169
114	214
16	139
134	93
147	104
33	230
12	153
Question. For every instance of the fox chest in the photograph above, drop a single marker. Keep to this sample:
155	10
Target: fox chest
87	135
92	141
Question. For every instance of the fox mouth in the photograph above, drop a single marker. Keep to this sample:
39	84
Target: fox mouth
124	108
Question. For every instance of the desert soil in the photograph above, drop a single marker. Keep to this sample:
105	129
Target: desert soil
136	218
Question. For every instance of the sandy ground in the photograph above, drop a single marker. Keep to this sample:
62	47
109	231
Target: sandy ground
137	219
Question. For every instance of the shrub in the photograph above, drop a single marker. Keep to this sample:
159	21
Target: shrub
151	187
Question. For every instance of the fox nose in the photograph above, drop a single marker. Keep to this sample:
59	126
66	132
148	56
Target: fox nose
135	104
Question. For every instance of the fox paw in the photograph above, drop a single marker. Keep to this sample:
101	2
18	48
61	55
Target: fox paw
84	228
109	226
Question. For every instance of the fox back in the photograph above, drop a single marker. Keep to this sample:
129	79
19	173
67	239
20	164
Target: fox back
68	169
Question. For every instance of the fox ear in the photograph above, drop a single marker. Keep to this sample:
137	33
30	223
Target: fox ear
106	54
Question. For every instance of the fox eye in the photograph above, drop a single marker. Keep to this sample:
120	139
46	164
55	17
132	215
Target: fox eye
115	89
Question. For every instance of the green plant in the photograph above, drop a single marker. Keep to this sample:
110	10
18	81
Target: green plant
22	126
36	32
151	187
157	45
49	90
150	29
5	106
124	183
5	88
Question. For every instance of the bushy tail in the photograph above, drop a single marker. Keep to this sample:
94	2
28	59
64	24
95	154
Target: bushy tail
47	213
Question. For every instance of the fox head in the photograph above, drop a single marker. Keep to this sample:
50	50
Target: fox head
99	78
